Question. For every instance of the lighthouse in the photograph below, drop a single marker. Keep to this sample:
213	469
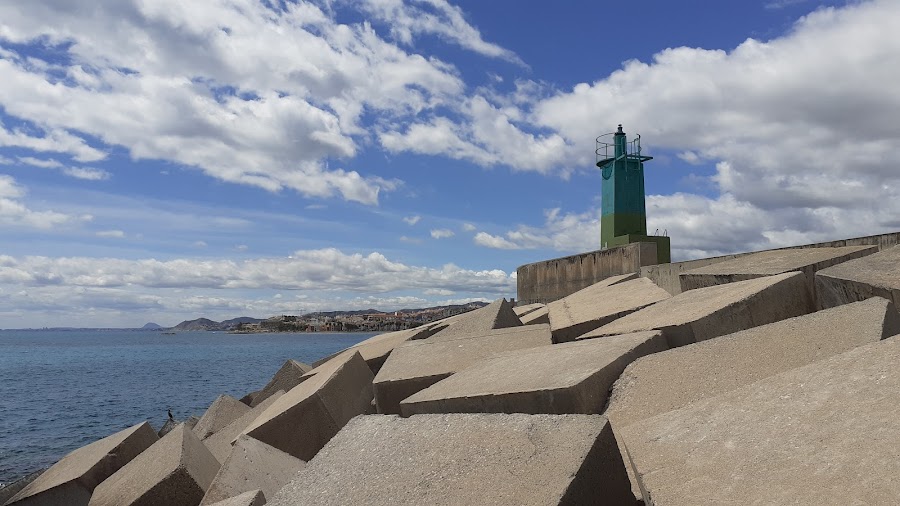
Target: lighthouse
623	217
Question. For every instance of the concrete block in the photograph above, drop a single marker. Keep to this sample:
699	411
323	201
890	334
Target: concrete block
251	498
666	381
248	399
496	315
493	459
599	304
72	480
376	349
538	317
825	433
876	275
288	376
224	410
419	364
219	443
175	471
705	313
528	308
768	263
302	420
252	465
562	378
9	489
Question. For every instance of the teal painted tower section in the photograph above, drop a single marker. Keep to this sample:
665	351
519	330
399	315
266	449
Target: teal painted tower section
623	217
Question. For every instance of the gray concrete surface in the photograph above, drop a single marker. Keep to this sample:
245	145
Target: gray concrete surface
667	275
224	410
871	276
542	315
666	381
550	280
710	312
464	459
9	489
767	263
302	420
175	471
288	376
419	364
376	349
72	480
251	498
219	443
252	465
496	315
825	433
599	304
528	308
557	379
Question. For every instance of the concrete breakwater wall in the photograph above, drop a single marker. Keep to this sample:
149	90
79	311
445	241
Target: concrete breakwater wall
771	382
549	280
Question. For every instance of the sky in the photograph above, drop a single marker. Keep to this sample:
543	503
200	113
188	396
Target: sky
164	160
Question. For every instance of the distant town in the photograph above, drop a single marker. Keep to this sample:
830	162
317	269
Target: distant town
331	321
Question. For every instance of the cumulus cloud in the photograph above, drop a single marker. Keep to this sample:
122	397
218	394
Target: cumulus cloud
468	227
493	241
441	233
324	269
412	220
249	93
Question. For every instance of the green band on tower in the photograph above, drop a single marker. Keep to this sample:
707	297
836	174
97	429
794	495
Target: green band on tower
623	217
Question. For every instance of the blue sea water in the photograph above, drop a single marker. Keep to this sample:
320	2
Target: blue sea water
60	390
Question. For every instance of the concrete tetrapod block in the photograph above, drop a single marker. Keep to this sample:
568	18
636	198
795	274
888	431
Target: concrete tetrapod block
705	313
496	315
874	275
599	304
175	471
376	349
252	465
464	459
666	381
301	421
561	378
288	376
251	498
219	443
8	490
72	480
768	263
825	433
419	364
224	410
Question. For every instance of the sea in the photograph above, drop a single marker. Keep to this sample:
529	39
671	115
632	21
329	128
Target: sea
63	389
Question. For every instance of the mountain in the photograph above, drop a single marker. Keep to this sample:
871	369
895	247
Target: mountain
207	324
151	326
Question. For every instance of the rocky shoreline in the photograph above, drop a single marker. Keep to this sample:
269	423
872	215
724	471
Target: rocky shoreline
770	379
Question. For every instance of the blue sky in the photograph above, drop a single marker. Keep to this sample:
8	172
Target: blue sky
165	160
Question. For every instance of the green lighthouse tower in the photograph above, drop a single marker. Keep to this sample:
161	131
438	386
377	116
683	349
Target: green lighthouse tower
623	217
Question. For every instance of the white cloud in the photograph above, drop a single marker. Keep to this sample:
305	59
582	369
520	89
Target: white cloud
14	213
199	244
434	17
158	85
116	234
468	227
44	164
308	270
493	241
410	240
412	220
54	140
87	173
441	233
